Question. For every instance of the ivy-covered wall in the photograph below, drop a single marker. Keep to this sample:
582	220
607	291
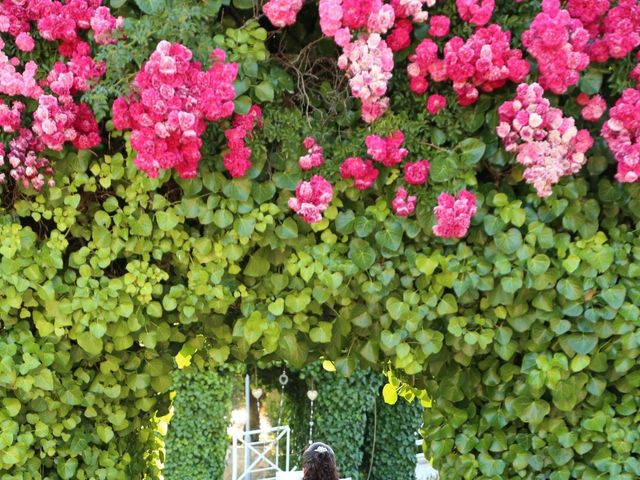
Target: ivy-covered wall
340	415
196	443
525	333
389	448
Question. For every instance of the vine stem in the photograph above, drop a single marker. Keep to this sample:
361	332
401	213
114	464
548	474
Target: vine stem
436	147
375	434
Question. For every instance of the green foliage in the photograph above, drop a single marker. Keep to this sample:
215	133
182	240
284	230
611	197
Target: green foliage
196	442
390	448
524	334
340	415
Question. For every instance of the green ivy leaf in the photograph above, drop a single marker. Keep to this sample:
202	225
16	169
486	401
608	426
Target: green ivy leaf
151	7
322	333
167	220
243	4
615	296
288	230
276	308
89	343
390	394
590	82
264	91
258	265
242	105
579	343
362	254
472	150
530	410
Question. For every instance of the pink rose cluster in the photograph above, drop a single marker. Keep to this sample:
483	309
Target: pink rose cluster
403	204
367	59
58	117
314	157
454	215
389	152
58	21
363	173
546	142
477	12
372	16
56	123
312	199
26	165
484	62
400	37
237	160
558	43
412	9
622	134
614	31
592	108
282	12
170	100
368	62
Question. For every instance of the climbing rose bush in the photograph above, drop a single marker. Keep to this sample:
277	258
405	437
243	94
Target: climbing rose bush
40	109
368	62
546	142
558	43
613	31
170	100
484	62
622	134
237	160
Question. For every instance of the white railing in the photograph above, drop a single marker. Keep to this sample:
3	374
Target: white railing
262	450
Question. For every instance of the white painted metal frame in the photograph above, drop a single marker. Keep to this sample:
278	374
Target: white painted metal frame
268	446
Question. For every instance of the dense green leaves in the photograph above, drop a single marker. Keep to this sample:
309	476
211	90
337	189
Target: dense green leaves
391	451
196	443
524	333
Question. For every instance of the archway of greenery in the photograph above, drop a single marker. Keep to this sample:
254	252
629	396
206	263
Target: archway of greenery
524	334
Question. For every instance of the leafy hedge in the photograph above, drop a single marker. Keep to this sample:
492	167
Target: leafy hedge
196	442
340	415
525	333
390	449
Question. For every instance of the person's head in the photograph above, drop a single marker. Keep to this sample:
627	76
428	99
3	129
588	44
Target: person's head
319	462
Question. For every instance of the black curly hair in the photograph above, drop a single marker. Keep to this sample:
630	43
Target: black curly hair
319	463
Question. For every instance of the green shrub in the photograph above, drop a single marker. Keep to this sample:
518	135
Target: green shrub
197	441
389	447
